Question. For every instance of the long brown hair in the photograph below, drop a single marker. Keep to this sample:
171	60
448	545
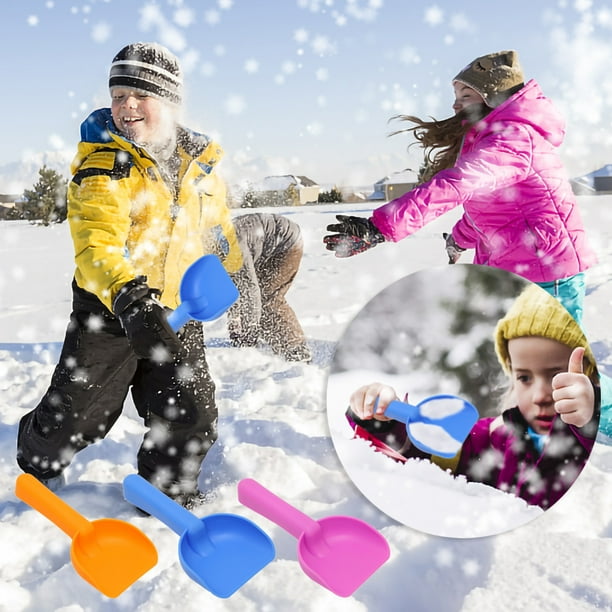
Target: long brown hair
441	139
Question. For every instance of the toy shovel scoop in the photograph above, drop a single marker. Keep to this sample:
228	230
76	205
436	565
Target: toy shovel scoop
338	552
220	552
108	553
206	291
438	425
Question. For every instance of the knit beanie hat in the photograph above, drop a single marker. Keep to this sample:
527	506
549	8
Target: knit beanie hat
537	313
495	76
147	67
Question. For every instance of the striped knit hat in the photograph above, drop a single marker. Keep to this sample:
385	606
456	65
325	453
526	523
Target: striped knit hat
147	67
536	313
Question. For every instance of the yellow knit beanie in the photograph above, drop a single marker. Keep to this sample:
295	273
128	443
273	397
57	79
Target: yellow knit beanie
536	313
495	76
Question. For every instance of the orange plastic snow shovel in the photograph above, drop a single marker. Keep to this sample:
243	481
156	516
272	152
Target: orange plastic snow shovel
108	553
338	552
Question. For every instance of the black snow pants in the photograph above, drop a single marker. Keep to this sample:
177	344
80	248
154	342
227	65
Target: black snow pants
96	369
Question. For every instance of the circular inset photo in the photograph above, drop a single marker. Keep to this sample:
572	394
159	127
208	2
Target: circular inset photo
463	401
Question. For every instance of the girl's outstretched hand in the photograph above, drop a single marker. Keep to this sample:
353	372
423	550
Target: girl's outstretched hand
354	235
364	405
573	392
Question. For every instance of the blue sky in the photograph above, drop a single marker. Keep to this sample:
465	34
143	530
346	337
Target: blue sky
303	86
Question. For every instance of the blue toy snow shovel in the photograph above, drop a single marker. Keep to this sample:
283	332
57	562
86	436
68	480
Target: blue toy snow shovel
220	552
206	291
438	425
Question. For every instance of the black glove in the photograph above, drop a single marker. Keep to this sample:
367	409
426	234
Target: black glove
354	235
143	319
453	250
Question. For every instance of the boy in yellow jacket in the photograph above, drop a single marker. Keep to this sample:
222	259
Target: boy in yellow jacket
143	204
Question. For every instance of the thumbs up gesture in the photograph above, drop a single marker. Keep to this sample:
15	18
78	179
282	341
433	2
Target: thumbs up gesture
573	392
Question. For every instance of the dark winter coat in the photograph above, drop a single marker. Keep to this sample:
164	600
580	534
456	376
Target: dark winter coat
505	457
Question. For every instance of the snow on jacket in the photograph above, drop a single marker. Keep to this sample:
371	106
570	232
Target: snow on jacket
126	221
520	213
504	456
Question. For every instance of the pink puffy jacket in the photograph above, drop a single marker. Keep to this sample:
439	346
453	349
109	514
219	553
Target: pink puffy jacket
520	213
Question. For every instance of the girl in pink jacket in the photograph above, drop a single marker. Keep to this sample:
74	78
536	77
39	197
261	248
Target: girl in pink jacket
520	212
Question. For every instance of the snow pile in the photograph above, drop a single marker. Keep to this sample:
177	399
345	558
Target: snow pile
274	428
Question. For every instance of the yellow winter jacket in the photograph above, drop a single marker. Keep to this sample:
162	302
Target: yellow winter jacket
126	221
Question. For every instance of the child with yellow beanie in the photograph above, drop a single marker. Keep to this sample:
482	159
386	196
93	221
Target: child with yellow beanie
540	443
537	447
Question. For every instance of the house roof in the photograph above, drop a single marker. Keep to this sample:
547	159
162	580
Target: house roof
8	198
588	179
403	177
282	182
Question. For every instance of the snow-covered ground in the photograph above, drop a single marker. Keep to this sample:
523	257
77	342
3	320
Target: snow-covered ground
274	428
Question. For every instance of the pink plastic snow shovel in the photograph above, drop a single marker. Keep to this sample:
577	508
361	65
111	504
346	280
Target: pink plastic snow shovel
220	551
438	425
338	552
108	553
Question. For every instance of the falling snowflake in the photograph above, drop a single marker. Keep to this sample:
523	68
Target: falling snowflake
444	557
315	128
434	16
583	5
95	323
235	105
471	567
409	55
33	20
300	36
322	46
251	66
184	17
101	32
212	17
460	23
207	69
56	142
365	13
288	67
340	19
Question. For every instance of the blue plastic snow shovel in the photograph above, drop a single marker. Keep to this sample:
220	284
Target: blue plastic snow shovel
437	425
206	291
220	552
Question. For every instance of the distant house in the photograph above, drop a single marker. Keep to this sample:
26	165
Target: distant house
379	190
10	205
286	190
394	186
596	182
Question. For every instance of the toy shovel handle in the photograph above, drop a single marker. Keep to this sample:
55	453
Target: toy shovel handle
35	494
144	495
400	411
178	317
264	502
